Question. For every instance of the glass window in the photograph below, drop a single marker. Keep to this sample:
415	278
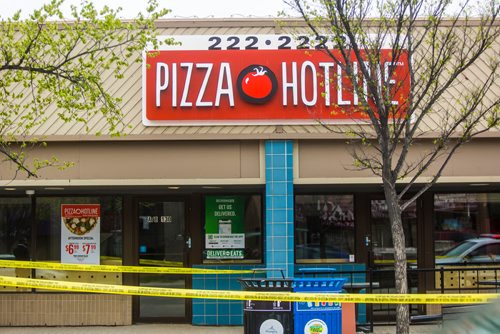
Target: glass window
460	217
48	242
383	247
324	228
15	236
233	228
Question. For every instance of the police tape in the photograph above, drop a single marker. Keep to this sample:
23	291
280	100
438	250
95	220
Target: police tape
249	295
114	268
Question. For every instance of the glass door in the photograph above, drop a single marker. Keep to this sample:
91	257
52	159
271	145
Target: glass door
162	241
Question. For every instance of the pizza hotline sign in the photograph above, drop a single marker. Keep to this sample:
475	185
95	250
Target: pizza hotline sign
80	233
264	79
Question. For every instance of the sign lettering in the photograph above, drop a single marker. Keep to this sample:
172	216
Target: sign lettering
213	82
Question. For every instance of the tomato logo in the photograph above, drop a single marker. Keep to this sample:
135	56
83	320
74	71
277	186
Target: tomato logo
257	84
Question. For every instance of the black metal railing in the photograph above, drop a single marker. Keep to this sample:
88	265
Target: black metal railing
449	279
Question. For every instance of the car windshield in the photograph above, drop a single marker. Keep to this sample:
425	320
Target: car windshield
459	249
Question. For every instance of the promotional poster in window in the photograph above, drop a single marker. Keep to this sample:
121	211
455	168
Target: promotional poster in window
224	219
80	233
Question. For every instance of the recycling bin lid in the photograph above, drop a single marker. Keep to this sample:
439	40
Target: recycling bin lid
318	284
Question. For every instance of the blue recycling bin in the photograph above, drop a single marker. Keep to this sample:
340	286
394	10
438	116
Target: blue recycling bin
318	317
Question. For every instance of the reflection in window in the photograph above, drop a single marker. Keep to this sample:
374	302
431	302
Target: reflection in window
324	228
459	217
383	247
15	236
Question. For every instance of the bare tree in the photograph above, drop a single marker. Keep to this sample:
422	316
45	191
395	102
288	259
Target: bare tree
441	50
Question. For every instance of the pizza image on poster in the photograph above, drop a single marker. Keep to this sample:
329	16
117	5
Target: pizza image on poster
80	233
80	226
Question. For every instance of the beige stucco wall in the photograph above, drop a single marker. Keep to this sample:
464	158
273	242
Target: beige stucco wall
170	163
147	163
330	161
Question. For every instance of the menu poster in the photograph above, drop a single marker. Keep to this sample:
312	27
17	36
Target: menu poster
80	233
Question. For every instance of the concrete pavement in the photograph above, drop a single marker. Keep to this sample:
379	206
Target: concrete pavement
173	329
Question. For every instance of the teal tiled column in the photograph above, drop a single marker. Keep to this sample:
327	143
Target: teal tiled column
279	207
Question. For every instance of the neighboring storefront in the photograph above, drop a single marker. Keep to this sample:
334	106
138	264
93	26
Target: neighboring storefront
240	188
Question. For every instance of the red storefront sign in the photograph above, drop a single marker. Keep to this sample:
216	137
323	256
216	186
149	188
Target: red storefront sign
285	86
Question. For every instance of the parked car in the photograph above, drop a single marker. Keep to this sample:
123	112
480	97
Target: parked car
482	250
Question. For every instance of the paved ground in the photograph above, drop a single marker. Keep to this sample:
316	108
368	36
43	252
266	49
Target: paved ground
171	329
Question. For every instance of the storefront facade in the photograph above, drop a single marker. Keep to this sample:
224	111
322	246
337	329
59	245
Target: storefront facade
224	195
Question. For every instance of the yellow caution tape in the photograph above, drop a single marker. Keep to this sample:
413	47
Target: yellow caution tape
160	263
249	295
391	261
118	261
121	269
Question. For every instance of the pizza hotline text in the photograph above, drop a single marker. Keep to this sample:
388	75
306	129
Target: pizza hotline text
260	84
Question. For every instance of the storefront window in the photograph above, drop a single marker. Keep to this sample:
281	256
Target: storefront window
88	232
15	236
324	228
233	229
459	217
383	247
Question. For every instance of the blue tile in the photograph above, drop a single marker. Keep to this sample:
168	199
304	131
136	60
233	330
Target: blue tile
223	321
290	216
269	147
279	243
279	161
361	319
211	320
279	256
269	202
279	229
278	175
211	309
210	284
279	147
223	309
269	162
236	308
198	320
279	202
279	188
279	216
198	308
236	320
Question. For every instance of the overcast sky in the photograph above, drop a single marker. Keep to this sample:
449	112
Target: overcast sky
180	8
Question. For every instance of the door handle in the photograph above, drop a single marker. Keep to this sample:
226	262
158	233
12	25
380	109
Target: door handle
188	242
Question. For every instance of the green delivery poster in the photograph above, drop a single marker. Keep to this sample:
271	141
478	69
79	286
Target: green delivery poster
224	230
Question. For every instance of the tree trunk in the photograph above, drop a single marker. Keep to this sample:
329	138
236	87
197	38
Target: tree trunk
400	274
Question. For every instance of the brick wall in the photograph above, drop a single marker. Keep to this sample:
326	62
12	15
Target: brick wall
55	309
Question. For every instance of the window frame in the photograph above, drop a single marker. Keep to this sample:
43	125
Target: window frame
354	231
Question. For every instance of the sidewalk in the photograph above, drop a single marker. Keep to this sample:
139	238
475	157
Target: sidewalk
173	329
